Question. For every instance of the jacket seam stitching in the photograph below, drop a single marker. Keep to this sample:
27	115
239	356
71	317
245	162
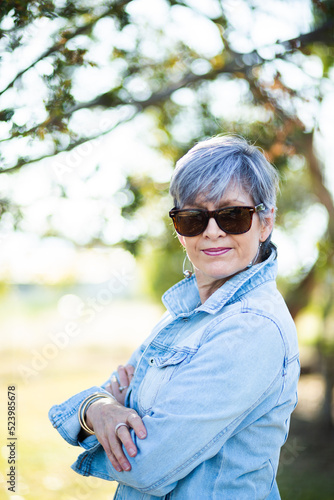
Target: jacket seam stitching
219	320
264	315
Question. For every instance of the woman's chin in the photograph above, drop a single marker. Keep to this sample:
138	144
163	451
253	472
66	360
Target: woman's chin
217	273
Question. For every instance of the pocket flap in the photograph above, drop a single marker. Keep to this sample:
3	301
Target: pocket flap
172	358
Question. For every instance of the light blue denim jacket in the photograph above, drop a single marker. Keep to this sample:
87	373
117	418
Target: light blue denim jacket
215	385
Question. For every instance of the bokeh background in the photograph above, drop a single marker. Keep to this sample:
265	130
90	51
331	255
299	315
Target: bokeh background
97	102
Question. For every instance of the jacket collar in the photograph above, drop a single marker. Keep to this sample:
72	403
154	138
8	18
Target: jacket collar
183	298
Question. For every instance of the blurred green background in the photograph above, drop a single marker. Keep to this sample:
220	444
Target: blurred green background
97	102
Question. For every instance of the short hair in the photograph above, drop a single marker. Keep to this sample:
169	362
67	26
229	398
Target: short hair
214	165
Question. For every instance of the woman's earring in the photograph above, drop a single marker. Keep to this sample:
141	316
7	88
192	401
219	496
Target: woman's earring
256	257
186	272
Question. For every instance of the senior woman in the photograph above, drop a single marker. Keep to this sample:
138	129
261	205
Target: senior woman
202	408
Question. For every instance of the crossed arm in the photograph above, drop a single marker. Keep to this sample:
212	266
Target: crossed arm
105	414
183	412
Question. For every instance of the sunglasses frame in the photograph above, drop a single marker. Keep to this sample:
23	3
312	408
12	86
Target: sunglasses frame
214	213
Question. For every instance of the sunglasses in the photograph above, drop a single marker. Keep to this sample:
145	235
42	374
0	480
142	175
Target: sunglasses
231	220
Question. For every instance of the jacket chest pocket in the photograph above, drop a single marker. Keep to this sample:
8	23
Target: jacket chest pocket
160	371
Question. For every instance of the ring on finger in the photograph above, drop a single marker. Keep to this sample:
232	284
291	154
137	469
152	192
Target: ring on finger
122	387
120	425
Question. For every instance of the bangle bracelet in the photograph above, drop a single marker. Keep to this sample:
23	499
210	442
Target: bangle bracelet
85	405
82	412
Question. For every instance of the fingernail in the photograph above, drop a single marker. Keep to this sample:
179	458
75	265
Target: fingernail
132	451
126	467
118	468
142	434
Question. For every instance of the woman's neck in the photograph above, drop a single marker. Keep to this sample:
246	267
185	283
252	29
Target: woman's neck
207	288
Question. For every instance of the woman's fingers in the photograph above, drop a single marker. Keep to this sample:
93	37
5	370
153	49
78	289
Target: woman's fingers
104	416
116	455
117	452
114	451
114	462
118	387
130	371
137	425
115	388
108	387
124	436
113	447
123	376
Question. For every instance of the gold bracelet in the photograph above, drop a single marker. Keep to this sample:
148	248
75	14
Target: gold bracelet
85	405
82	412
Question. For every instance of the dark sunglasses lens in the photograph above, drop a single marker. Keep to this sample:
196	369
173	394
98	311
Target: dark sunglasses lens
190	223
235	220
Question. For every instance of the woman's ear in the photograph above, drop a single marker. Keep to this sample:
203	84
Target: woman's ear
267	225
181	240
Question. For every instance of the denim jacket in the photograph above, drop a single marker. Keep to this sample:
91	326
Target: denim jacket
215	385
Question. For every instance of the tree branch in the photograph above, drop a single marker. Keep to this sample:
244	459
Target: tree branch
64	40
322	34
300	296
71	146
238	65
319	187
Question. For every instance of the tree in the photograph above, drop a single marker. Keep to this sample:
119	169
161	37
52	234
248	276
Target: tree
151	69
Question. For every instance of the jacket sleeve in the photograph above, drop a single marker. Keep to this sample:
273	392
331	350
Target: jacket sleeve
235	369
64	417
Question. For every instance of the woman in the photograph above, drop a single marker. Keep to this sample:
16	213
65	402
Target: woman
202	408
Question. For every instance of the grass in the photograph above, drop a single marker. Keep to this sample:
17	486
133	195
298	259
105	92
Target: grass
44	459
308	473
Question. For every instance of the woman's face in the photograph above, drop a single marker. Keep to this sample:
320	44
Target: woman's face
217	255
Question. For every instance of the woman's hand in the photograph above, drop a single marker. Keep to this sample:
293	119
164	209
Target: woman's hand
103	416
125	374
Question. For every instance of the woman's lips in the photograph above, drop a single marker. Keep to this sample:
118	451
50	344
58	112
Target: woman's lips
216	251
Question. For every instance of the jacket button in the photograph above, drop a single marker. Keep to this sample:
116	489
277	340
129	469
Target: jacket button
151	361
185	319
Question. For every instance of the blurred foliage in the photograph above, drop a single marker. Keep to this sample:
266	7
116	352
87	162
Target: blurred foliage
149	69
162	264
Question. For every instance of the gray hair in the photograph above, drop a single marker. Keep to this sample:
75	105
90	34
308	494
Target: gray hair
222	162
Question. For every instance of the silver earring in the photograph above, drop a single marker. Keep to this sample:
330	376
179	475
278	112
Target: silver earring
186	272
252	262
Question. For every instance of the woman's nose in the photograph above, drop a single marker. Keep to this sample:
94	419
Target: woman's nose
212	230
